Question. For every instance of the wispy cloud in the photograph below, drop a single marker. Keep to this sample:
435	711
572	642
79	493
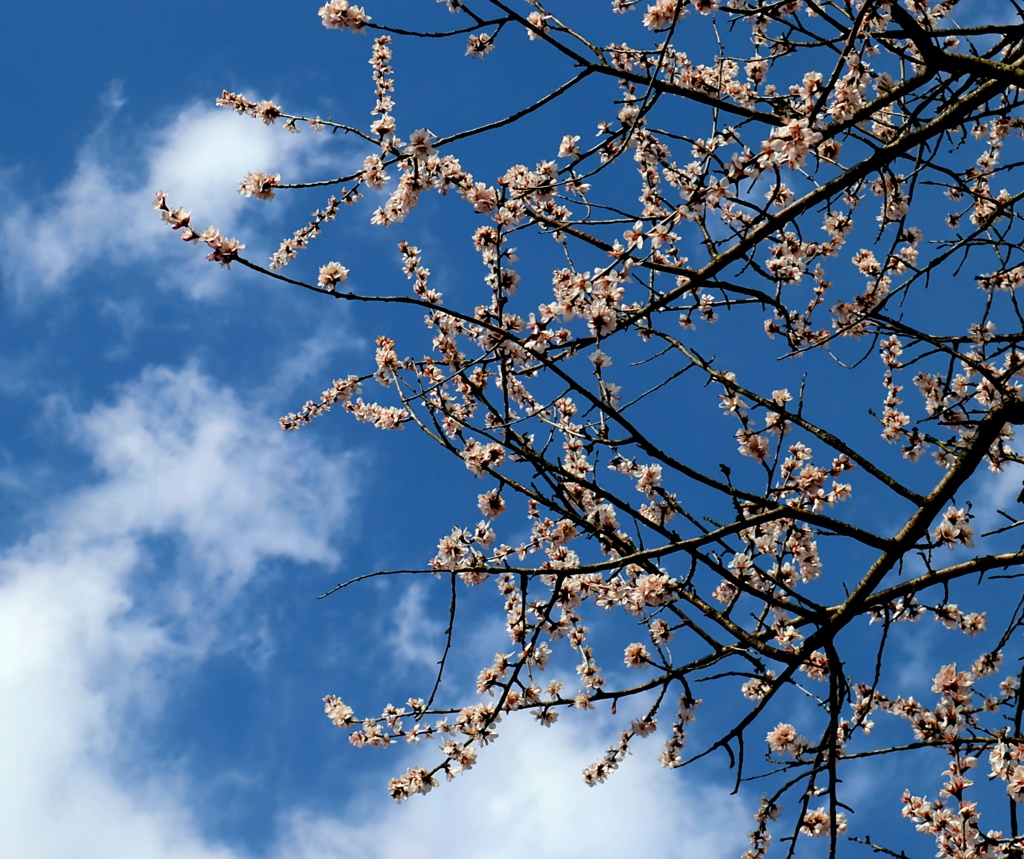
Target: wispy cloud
101	215
417	636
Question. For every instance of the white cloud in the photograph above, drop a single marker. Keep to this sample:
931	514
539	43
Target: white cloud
102	214
89	630
526	797
418	637
182	456
997	492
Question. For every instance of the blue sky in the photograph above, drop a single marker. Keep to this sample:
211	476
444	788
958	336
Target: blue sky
164	543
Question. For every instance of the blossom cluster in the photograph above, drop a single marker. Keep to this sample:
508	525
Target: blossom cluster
259	185
340	15
223	250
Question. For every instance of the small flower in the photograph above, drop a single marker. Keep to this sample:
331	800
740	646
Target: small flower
817	823
662	14
661	632
953	529
636	655
1015	785
331	275
784	738
222	249
569	147
757	687
538	21
417	779
491	503
419	143
338	712
338	15
480	45
644	727
259	185
267	111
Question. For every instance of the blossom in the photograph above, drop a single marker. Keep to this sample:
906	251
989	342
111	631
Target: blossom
569	147
953	529
644	727
1015	784
480	45
383	126
661	632
304	235
654	589
816	666
382	417
341	391
636	655
259	185
752	444
483	197
648	479
538	22
491	503
757	687
514	383
462	758
481	457
222	249
338	712
953	684
267	111
420	143
339	15
374	173
661	14
817	823
596	773
416	780
331	275
791	144
784	738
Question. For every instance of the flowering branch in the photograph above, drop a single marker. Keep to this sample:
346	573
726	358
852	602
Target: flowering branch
668	470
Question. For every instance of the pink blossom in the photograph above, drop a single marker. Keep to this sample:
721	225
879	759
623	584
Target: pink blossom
339	15
538	23
338	712
784	738
491	503
953	529
661	14
480	45
416	780
480	457
817	823
420	144
331	275
259	185
636	655
569	147
1015	784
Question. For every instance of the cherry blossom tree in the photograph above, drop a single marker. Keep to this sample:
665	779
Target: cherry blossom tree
693	488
